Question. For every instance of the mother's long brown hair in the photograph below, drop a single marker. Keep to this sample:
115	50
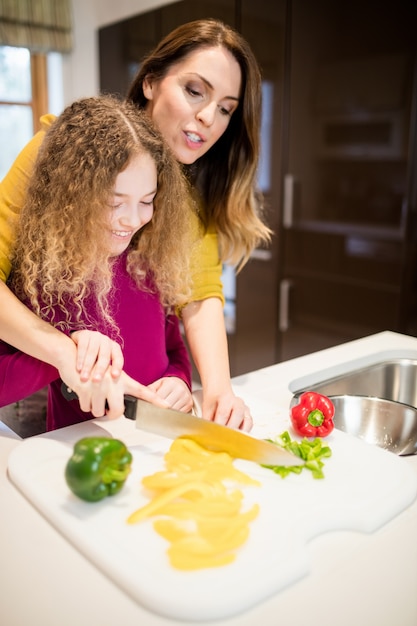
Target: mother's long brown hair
62	250
226	175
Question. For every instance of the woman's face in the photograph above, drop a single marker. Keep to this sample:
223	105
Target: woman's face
193	103
132	201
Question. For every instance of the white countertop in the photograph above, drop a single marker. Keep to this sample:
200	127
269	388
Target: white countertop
365	579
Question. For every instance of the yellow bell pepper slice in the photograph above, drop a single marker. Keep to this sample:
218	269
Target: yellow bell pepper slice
198	514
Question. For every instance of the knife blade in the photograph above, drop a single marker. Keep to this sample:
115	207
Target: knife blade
172	424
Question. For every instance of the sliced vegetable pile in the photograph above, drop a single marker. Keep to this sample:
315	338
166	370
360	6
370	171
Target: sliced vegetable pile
98	468
196	512
311	453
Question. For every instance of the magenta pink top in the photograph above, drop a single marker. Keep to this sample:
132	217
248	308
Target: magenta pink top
151	341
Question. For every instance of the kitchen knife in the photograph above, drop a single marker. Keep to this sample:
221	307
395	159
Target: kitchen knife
172	424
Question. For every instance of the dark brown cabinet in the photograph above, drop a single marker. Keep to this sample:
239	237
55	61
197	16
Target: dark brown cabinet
338	167
348	203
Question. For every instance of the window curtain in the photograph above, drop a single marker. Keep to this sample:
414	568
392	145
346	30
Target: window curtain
40	25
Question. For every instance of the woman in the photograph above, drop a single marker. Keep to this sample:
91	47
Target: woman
93	251
201	86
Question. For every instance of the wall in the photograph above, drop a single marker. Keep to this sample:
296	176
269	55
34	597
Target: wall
80	68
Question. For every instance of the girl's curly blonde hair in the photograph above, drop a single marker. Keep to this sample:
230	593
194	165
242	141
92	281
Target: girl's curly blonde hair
62	251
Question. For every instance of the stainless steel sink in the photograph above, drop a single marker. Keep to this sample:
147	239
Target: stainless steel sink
392	426
392	380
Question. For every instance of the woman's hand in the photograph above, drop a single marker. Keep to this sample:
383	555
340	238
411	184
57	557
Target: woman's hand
228	410
96	354
206	334
175	392
96	377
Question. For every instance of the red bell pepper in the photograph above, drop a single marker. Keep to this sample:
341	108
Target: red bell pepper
313	415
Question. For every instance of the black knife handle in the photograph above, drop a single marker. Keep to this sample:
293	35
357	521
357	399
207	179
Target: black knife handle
130	407
130	401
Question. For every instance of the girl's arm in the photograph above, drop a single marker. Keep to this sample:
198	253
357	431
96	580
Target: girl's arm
22	375
33	365
206	335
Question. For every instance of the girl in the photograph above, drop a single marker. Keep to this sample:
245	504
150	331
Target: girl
100	248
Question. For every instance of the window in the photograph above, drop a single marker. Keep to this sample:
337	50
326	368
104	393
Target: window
23	99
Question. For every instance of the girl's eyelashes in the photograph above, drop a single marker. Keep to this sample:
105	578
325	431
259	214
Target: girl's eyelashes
116	204
150	201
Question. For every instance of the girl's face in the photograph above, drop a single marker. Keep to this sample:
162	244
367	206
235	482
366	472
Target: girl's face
193	103
132	201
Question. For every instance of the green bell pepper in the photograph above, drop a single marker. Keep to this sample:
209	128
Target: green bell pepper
98	468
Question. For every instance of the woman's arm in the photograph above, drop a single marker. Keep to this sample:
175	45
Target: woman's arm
22	329
25	331
205	330
206	335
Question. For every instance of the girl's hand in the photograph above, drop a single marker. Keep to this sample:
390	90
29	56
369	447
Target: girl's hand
106	398
96	354
228	410
175	392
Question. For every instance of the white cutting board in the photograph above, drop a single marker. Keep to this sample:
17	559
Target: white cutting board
364	487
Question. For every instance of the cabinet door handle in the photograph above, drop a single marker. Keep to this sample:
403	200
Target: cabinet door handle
284	304
288	205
